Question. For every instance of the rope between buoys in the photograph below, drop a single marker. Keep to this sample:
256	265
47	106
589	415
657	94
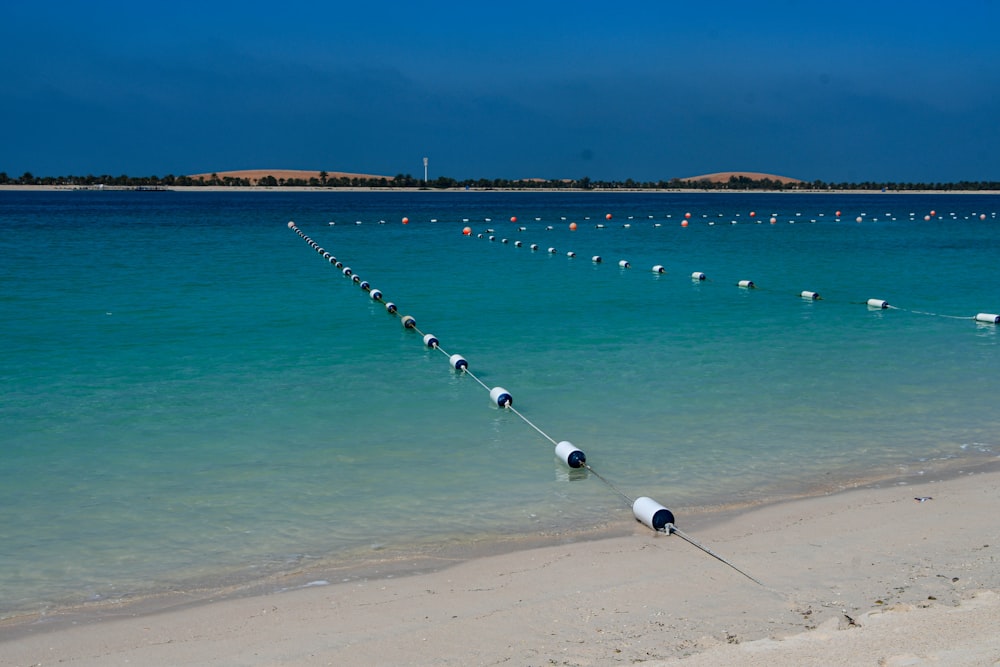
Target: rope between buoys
528	422
672	529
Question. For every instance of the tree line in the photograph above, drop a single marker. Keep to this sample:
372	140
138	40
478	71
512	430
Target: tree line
322	180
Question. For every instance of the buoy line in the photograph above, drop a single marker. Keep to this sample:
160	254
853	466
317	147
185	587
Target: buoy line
645	510
808	295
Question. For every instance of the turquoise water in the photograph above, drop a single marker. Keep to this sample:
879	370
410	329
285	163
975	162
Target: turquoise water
193	397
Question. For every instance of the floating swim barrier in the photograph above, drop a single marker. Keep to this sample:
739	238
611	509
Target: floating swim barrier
646	510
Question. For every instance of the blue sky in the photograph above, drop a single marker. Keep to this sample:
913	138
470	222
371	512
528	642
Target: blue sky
835	91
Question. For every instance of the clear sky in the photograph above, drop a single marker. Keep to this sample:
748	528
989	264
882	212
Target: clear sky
837	91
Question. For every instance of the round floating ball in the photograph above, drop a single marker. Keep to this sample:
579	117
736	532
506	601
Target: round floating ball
753	214
933	212
858	219
838	214
774	220
982	216
513	218
607	217
467	231
684	223
406	221
927	218
687	215
572	226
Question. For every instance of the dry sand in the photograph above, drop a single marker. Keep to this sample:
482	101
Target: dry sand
869	576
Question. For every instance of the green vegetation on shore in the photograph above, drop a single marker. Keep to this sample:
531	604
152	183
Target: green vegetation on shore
406	181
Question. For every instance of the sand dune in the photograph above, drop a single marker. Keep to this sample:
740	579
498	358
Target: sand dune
724	176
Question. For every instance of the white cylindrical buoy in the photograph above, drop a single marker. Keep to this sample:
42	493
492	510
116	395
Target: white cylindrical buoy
698	275
659	269
390	306
375	294
623	263
347	271
430	340
747	284
458	362
596	259
571	254
501	397
333	260
534	246
570	455
408	322
339	265
356	278
365	285
552	251
806	294
878	303
989	318
291	225
652	513
326	255
517	244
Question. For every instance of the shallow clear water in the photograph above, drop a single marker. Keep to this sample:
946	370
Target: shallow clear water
192	395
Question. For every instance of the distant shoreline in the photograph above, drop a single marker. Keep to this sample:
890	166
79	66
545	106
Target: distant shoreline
309	188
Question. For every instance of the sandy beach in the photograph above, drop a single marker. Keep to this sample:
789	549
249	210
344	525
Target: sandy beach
867	576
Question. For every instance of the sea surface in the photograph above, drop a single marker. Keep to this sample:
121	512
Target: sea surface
192	397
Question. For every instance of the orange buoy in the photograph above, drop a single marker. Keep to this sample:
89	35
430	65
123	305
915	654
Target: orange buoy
406	221
753	214
513	218
687	215
572	226
684	223
467	231
607	217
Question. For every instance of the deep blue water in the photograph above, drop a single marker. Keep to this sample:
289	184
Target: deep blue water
193	397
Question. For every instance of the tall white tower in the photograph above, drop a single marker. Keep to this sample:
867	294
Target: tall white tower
425	171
